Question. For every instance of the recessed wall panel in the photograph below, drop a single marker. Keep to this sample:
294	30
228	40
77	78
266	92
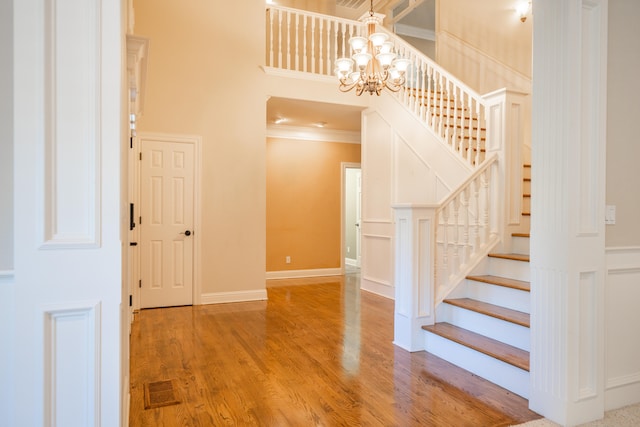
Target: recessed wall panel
588	345
378	268
157	194
71	154
178	264
156	249
72	370
178	200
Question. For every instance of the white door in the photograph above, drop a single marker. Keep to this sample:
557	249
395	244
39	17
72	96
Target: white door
166	223
63	349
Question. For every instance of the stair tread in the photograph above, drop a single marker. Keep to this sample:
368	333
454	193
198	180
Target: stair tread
496	349
502	281
520	235
502	313
516	257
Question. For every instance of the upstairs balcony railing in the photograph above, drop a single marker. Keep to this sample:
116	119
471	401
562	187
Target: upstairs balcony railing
310	43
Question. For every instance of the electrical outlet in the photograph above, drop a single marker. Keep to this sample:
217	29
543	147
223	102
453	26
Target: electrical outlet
348	249
287	259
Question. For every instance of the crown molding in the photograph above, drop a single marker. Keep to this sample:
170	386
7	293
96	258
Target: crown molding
313	134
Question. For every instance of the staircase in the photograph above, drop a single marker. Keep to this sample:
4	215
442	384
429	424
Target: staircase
476	302
483	326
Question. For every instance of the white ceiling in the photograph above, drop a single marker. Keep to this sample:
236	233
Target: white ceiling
300	113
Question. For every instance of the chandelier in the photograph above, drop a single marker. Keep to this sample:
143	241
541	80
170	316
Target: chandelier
378	66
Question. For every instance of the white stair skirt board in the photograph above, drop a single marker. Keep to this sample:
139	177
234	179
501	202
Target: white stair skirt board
509	268
507	376
500	330
499	295
520	245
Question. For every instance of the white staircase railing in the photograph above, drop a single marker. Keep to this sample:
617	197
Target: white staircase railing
466	227
310	42
307	42
450	108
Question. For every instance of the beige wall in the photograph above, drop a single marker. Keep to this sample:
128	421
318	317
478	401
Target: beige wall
471	31
6	136
326	7
623	145
201	84
303	202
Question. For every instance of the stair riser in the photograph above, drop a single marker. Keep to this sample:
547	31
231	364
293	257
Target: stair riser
506	332
520	245
508	376
499	295
511	269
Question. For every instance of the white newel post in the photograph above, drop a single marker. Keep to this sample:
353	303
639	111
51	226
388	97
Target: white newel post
507	117
415	227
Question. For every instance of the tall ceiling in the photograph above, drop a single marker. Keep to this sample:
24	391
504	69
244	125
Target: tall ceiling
300	113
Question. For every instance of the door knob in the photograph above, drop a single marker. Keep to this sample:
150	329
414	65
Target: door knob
187	233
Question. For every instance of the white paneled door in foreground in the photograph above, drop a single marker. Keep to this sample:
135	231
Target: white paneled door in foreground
167	173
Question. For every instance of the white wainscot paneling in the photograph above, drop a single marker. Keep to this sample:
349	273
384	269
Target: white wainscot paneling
377	264
622	318
414	181
71	150
376	167
72	364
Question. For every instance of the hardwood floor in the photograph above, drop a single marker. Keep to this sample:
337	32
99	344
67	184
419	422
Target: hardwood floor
319	352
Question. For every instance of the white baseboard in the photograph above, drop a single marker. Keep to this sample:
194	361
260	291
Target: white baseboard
622	392
377	287
350	261
238	296
292	274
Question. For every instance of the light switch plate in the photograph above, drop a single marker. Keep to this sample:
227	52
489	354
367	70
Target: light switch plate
610	215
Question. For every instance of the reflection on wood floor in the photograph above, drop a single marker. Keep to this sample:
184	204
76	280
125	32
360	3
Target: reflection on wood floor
319	352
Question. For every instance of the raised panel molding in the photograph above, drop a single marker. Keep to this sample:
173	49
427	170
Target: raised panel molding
592	128
622	289
70	194
588	320
72	364
381	249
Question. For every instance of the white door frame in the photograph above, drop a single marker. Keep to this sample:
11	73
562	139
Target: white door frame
343	204
197	209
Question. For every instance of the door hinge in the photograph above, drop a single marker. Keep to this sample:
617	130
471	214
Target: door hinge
130	142
140	283
140	156
130	300
139	220
132	222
